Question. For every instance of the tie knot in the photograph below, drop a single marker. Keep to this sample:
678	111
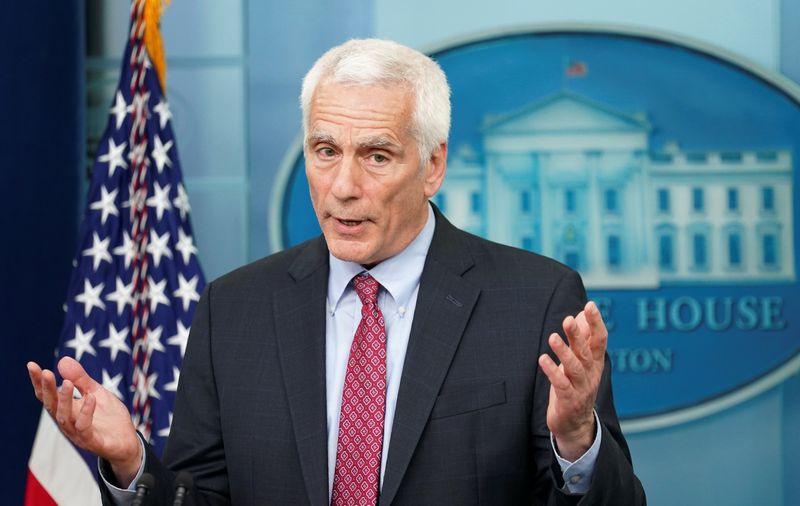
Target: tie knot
367	289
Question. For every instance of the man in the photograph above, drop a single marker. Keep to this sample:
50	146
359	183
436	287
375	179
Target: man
391	361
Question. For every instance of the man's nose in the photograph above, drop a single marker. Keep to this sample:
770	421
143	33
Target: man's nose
347	182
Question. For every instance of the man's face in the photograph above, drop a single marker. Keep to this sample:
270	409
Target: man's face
369	190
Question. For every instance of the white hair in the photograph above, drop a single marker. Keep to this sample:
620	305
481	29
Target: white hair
375	61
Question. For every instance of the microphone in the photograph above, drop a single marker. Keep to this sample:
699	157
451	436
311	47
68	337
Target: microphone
183	483
145	484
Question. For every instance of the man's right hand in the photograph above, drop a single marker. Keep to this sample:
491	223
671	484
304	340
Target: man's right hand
98	422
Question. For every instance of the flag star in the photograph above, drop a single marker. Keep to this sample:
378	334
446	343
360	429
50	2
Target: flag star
181	202
136	418
98	251
112	384
164	114
137	154
187	290
136	200
185	245
181	338
165	431
127	249
152	340
120	109
127	202
173	386
146	386
121	296
90	297
156	293
139	197
140	101
158	246
105	204
160	199
160	154
116	341
81	343
114	156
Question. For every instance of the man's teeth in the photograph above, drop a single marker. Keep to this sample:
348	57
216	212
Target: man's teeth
350	222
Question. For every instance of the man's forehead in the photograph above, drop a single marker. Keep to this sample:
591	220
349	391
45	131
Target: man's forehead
331	83
364	114
380	98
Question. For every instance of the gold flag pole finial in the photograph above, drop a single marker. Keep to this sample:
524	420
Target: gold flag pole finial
152	38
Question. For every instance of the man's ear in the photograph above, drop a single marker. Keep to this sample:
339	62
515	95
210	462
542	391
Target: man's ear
435	170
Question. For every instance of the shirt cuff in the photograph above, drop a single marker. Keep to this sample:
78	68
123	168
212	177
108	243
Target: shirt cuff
123	496
578	475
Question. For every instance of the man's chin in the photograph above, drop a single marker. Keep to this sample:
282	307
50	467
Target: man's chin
349	250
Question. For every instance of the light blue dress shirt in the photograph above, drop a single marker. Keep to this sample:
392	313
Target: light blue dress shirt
397	298
399	278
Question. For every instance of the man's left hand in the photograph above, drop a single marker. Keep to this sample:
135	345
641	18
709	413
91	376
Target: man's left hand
574	383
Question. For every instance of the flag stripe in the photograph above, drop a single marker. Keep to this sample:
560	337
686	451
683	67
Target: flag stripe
69	483
35	494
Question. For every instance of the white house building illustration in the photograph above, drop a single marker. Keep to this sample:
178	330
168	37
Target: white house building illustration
575	180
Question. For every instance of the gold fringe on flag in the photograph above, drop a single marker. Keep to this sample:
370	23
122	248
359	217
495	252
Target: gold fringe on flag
152	38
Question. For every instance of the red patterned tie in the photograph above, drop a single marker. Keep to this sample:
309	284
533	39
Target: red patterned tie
358	452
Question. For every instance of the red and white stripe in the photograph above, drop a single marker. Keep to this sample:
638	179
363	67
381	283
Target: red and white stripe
57	474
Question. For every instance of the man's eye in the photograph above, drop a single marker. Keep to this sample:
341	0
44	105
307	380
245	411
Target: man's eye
379	158
326	152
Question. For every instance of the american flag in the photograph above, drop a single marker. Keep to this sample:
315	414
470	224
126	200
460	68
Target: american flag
136	278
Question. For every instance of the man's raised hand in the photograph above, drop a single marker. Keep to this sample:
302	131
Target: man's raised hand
574	383
98	422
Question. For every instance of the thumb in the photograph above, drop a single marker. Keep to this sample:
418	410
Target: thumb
71	370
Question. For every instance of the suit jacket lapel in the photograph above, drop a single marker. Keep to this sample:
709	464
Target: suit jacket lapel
444	306
300	328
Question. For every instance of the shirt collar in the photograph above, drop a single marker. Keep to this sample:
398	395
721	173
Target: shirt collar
399	275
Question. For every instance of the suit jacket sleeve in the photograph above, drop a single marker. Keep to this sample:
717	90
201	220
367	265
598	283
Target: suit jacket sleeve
613	481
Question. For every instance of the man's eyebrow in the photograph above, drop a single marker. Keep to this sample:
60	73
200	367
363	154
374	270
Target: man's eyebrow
320	137
378	142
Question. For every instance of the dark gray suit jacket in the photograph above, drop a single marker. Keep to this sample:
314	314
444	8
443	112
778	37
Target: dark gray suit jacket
470	426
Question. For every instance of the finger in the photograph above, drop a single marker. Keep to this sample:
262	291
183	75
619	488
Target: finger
599	332
64	409
84	419
556	376
35	373
578	335
573	368
49	394
71	370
